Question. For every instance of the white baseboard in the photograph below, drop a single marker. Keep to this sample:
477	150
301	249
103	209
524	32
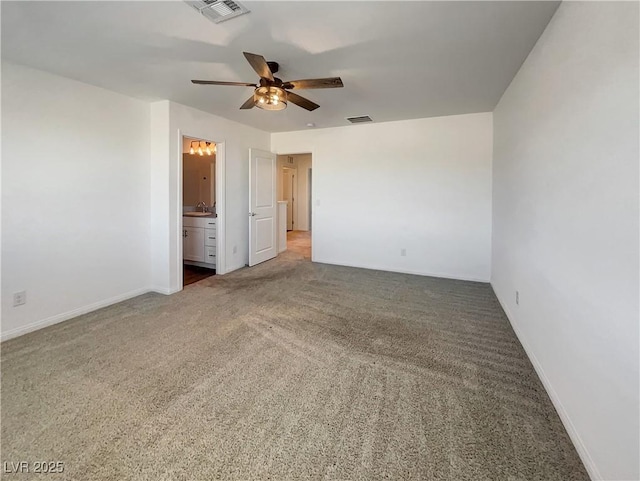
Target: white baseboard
65	316
233	268
165	290
402	271
590	466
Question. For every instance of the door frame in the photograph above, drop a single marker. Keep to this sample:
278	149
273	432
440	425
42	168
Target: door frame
310	195
312	200
220	181
294	194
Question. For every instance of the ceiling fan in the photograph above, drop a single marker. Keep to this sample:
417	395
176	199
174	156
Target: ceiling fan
272	93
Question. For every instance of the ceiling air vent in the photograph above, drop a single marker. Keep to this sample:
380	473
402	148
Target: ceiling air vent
218	10
360	120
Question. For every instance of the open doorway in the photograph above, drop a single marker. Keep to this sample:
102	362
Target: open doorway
199	216
294	191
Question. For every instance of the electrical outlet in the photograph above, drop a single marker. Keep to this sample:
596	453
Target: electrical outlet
19	298
517	298
403	252
235	249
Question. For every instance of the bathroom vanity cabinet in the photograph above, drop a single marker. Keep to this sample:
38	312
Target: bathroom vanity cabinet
199	241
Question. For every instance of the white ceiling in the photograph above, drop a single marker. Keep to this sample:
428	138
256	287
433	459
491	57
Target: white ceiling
398	60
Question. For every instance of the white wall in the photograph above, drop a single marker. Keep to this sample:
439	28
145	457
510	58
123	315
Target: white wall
234	141
420	185
565	224
159	196
75	198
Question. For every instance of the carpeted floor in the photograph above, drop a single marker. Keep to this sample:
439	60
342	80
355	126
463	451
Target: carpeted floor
288	370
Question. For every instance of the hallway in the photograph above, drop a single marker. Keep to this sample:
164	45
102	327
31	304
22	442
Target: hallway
299	241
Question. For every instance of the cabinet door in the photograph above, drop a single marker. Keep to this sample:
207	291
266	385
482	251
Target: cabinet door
193	244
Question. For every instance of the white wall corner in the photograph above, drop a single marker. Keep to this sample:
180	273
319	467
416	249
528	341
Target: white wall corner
586	458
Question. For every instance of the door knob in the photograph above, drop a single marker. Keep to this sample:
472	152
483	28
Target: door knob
251	214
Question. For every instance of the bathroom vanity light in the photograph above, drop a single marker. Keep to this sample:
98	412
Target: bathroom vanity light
201	147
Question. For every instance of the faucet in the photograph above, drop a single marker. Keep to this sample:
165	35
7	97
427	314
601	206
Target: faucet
202	205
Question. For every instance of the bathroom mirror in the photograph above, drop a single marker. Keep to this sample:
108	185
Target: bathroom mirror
198	173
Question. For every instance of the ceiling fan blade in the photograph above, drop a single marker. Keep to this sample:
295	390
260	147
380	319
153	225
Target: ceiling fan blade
215	82
249	104
259	64
315	83
302	102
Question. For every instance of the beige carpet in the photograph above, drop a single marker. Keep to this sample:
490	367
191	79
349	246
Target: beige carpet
289	370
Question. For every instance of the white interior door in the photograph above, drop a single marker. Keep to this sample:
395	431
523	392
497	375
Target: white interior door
262	206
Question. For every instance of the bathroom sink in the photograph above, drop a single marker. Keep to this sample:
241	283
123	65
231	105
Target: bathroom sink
197	214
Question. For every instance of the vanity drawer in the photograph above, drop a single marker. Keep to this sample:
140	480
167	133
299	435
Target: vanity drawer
210	237
204	222
210	255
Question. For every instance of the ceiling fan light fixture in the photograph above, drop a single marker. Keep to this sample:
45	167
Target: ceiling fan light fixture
271	93
270	98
